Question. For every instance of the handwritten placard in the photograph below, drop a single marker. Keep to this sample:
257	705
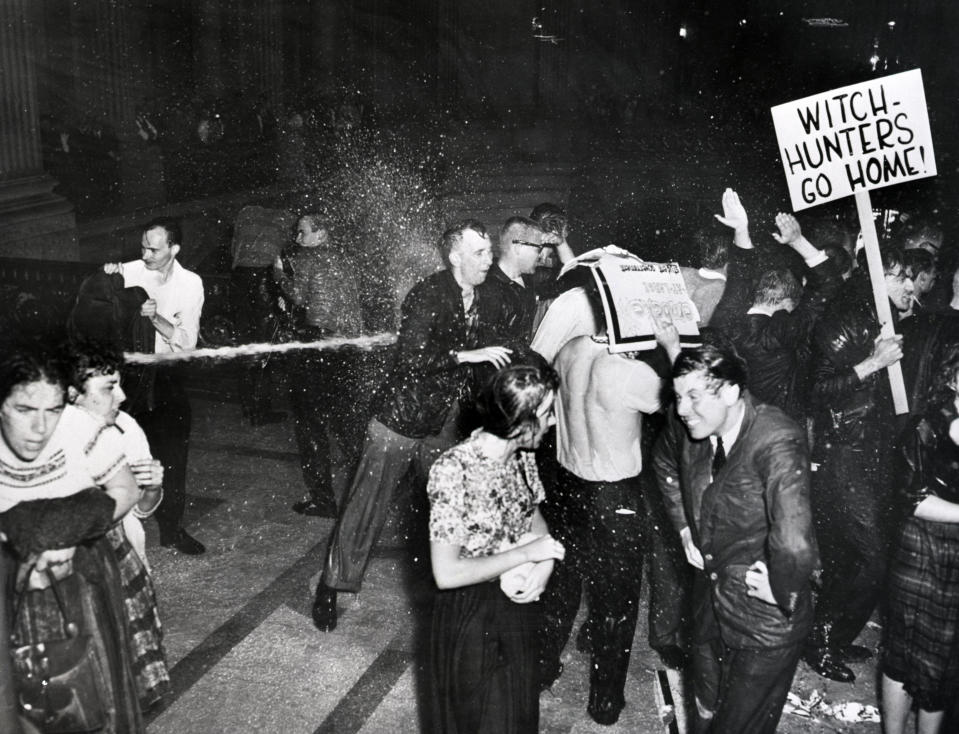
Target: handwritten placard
634	293
856	138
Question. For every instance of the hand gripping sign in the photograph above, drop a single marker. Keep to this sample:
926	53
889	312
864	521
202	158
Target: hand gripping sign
849	141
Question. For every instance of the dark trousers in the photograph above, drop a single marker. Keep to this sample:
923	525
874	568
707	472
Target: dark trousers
851	507
670	576
167	427
744	689
253	298
387	457
322	393
603	530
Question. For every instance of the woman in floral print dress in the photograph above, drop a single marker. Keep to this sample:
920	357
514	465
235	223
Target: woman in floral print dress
485	523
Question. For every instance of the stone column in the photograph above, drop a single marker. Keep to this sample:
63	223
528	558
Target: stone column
34	222
120	85
267	50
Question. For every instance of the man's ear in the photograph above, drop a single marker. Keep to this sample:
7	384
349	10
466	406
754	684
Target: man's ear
72	394
455	258
730	393
175	249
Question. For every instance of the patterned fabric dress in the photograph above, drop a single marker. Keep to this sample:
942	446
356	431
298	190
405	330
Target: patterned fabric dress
81	453
483	672
921	633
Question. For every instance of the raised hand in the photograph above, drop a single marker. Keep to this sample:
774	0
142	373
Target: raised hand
734	213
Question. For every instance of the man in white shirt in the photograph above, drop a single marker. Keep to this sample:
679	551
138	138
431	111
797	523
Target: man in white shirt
174	307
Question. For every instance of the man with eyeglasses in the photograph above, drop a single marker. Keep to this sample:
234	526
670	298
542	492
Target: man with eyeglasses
855	430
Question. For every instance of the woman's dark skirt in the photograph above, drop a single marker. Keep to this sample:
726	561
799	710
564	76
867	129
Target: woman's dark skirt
483	662
921	646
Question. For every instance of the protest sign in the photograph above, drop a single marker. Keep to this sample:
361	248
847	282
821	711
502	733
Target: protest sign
855	138
634	293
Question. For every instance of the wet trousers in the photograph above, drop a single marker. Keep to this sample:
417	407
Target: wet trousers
386	459
851	507
603	530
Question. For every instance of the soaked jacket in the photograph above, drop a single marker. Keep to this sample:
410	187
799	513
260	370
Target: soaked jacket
756	508
849	411
426	380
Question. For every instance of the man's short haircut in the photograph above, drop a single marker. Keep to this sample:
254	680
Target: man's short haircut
454	235
917	260
317	221
892	257
522	224
508	403
550	217
88	358
721	364
26	361
174	234
775	286
712	248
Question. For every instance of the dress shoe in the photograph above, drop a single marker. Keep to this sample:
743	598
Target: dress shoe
265	419
313	508
324	608
827	664
604	710
549	677
183	542
855	654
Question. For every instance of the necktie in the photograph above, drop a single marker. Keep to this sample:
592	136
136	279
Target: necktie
719	456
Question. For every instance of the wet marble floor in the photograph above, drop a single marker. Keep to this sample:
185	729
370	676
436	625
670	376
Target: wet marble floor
242	648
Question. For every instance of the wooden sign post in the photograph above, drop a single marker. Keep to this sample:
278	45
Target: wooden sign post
851	140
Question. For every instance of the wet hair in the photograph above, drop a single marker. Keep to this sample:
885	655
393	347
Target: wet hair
775	286
23	362
508	403
712	248
454	235
88	358
720	363
550	217
170	225
892	257
917	261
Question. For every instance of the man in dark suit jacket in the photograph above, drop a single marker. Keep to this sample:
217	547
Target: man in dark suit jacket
735	479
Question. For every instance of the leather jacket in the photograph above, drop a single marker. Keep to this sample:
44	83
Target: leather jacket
426	380
777	348
849	411
929	458
756	508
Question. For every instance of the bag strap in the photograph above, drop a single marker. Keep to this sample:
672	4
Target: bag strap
69	628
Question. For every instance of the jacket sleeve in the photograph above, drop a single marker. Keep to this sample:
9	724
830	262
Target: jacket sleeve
418	351
39	525
836	351
666	467
783	467
916	448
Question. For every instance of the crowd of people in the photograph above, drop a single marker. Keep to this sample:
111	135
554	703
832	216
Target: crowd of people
762	478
